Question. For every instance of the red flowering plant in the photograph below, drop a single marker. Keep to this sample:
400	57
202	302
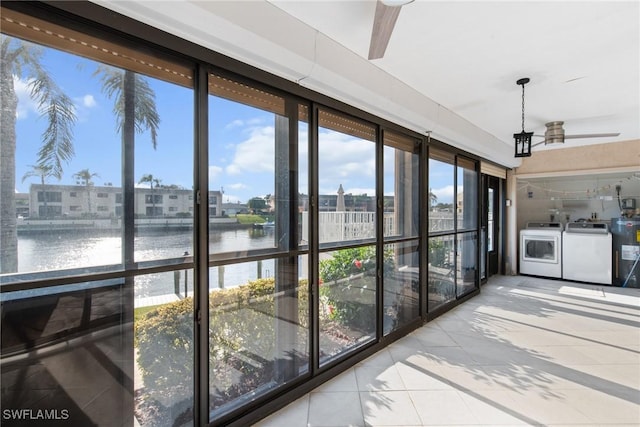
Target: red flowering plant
349	283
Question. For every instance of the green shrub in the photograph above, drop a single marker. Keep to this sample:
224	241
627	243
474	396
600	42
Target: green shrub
164	338
348	284
437	252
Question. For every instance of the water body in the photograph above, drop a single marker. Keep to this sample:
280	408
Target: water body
60	251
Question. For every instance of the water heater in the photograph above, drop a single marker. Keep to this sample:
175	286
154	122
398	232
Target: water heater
626	250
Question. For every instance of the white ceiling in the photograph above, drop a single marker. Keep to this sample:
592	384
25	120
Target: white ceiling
450	67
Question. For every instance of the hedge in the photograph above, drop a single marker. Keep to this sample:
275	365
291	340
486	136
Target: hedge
237	332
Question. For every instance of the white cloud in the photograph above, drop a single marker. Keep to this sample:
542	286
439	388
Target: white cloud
89	101
444	194
348	161
234	124
26	105
343	159
214	173
256	154
233	170
238	186
83	105
246	124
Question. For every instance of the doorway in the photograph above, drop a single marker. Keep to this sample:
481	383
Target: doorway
490	258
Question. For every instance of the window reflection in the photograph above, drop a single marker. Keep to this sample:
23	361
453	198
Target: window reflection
59	343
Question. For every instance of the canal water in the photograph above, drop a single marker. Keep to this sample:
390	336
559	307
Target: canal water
61	251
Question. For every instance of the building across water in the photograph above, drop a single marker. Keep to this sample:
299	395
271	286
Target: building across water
68	201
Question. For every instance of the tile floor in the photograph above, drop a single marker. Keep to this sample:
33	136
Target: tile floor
526	351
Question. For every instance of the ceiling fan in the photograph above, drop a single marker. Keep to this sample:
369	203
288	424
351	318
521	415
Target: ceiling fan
387	12
554	134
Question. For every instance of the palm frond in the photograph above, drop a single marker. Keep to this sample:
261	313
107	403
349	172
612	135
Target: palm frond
53	104
57	144
146	115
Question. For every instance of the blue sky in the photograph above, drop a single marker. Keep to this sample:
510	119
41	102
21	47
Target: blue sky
241	158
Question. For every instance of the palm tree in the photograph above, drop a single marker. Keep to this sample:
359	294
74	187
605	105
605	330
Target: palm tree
134	108
151	180
83	177
23	60
123	84
433	199
43	172
135	111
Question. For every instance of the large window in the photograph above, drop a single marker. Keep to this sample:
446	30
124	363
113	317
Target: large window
467	213
466	195
453	223
346	219
89	118
401	272
259	304
176	236
249	163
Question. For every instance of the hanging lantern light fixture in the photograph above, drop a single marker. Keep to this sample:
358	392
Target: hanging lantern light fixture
523	139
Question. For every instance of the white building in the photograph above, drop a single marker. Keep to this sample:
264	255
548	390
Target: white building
79	201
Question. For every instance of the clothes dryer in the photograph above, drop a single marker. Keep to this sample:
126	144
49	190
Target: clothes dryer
541	249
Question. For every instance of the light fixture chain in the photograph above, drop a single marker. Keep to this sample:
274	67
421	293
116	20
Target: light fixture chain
523	108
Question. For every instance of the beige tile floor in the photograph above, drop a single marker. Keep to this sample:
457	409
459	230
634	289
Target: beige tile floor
526	351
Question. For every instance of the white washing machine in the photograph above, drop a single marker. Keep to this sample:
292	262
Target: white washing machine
586	252
541	249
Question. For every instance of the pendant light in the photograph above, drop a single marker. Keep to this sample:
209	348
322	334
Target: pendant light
523	139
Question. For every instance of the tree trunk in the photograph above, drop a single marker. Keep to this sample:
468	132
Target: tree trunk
8	224
89	198
128	167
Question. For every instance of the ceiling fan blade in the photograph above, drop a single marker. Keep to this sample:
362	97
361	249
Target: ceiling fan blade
592	135
587	135
383	23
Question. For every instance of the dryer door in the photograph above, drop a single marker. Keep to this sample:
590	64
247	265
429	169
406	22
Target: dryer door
540	249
